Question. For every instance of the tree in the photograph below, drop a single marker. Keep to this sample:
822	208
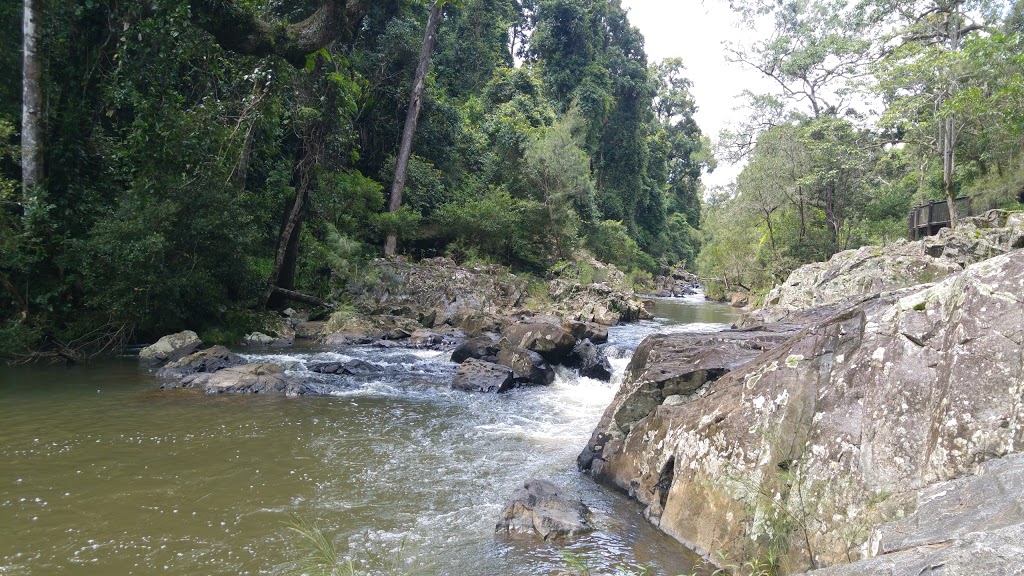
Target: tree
411	117
32	109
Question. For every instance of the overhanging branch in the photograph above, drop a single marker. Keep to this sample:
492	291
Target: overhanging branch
240	31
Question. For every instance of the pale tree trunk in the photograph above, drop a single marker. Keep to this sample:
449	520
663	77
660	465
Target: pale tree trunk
31	111
948	167
411	117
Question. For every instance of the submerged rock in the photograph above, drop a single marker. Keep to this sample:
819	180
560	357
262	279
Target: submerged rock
210	360
170	347
479	376
840	427
353	367
542	509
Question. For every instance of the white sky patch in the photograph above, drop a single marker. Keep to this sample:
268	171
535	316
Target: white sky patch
695	30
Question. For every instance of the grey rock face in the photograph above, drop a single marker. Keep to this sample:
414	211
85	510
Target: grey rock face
971	525
209	360
170	347
479	376
839	427
541	509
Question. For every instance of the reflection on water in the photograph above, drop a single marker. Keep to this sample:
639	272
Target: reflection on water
104	474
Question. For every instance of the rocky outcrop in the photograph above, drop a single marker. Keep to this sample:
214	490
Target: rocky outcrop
971	525
170	347
676	282
805	449
210	360
541	509
479	376
671	369
436	291
282	339
246	379
874	269
599	303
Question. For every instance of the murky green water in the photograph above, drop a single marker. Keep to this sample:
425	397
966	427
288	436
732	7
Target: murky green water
102	473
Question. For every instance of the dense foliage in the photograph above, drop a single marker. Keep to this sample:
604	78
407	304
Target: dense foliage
881	105
174	162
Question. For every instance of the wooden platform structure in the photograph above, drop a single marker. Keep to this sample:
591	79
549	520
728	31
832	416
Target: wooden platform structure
927	219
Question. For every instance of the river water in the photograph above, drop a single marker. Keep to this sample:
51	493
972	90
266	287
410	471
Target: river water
102	473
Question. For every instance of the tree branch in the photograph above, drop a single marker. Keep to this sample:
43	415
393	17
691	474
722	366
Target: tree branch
240	31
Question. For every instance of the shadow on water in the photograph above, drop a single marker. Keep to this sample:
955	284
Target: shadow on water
104	474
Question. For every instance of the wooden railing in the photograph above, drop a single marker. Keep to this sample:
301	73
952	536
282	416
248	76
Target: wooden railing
927	219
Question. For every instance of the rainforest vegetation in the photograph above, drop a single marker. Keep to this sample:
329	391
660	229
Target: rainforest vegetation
183	163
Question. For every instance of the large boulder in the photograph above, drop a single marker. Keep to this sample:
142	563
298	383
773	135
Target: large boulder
479	376
811	445
671	369
541	509
545	338
596	333
210	360
528	367
170	347
478	347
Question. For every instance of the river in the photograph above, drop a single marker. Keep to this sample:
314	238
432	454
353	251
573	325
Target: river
102	473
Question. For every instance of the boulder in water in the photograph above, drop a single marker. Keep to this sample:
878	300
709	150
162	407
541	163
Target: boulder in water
545	338
210	360
477	347
542	509
247	379
589	361
479	376
353	367
592	331
170	347
527	366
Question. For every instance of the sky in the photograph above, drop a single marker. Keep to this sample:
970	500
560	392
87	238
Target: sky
695	31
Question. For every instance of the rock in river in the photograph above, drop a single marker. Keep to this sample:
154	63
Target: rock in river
247	379
479	376
210	360
540	508
170	347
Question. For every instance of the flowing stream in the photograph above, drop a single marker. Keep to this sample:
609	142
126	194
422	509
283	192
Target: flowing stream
102	473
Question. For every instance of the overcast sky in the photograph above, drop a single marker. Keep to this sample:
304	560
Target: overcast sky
695	31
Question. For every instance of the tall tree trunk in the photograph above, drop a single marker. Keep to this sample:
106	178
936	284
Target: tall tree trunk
948	166
31	111
411	117
282	275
